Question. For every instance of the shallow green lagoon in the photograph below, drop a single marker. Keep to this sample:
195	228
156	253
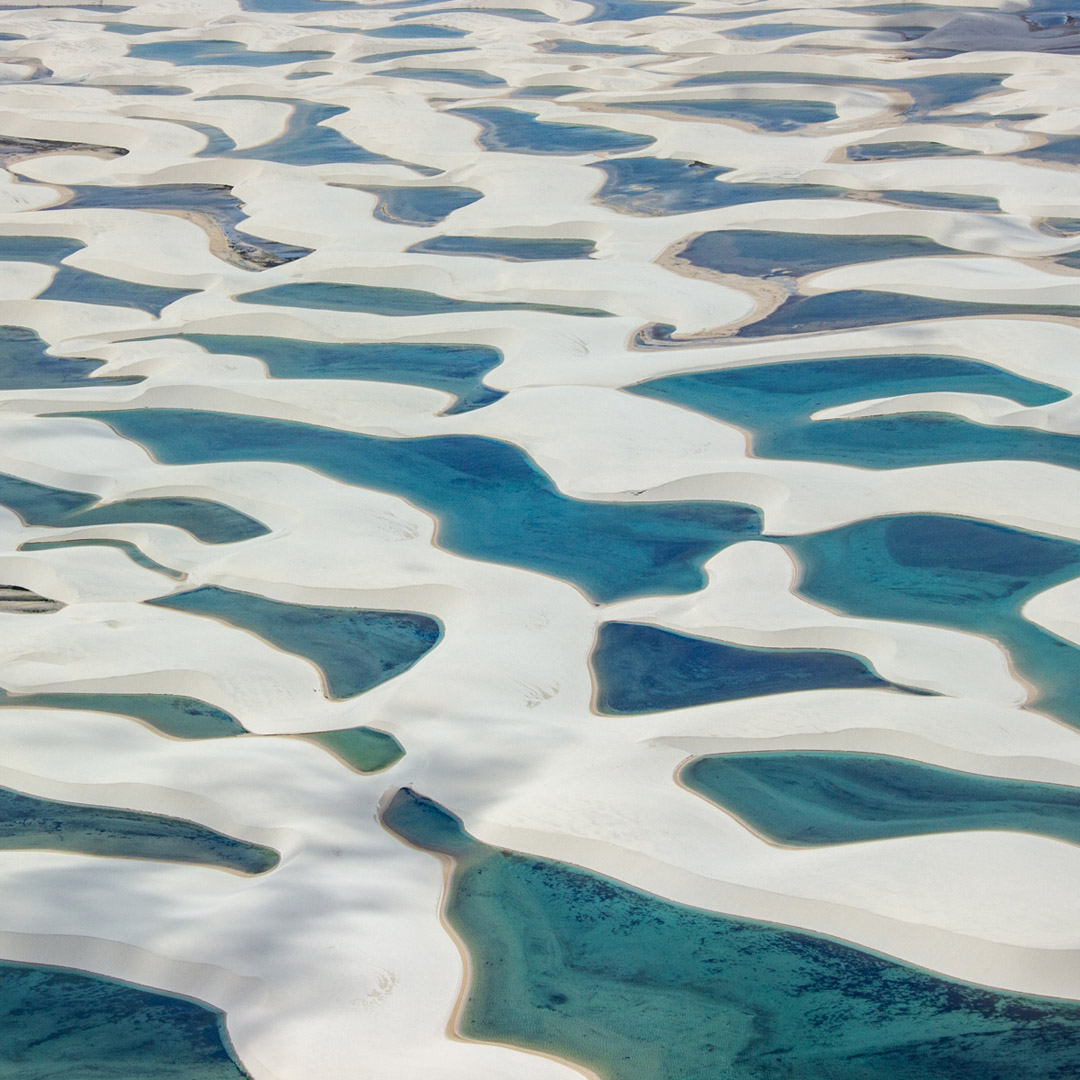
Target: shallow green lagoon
60	1024
367	750
130	550
171	714
457	369
574	964
29	823
809	798
774	403
491	500
354	649
640	668
953	572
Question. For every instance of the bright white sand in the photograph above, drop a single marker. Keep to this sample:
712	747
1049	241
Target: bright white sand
335	964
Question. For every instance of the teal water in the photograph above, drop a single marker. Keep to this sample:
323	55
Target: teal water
513	248
547	91
891	151
644	185
570	963
944	200
457	369
286	7
84	287
354	649
25	364
61	1024
774	31
630	10
419	205
210	522
764	114
491	500
774	403
130	550
810	798
216	201
457	77
31	823
416	30
953	572
380	300
764	253
640	669
364	749
588	48
308	141
867	307
519	132
231	53
171	714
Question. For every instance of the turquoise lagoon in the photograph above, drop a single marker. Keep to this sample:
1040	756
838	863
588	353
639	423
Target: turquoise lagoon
355	649
519	132
639	668
363	749
574	964
140	558
419	205
457	369
25	364
447	75
61	1024
31	823
765	114
810	798
491	500
952	572
513	248
774	403
195	51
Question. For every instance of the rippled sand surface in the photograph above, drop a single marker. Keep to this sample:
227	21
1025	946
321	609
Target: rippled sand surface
539	538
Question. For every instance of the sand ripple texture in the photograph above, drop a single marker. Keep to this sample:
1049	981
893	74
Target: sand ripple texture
347	385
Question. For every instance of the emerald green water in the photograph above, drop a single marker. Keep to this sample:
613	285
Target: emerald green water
571	963
171	714
31	823
640	669
353	648
953	572
364	749
809	798
61	1024
490	499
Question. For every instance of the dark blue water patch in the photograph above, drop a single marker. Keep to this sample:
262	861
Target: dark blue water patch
775	31
137	556
648	186
381	300
807	799
490	499
774	403
416	30
60	1023
214	201
25	363
418	205
587	969
363	749
953	572
447	75
644	669
294	7
172	714
217	142
928	92
1064	149
630	10
763	253
520	132
32	823
192	52
513	248
894	151
944	200
865	307
457	369
590	48
556	91
354	649
83	287
210	522
767	115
